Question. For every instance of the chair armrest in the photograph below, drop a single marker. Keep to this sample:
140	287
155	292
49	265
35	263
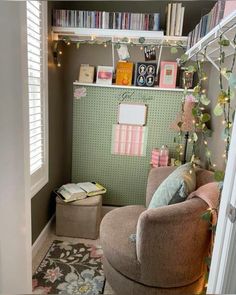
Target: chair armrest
155	178
172	243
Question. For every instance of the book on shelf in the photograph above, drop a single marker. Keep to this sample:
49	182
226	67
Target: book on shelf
106	20
104	75
168	19
124	73
168	74
175	19
221	9
77	191
86	73
145	74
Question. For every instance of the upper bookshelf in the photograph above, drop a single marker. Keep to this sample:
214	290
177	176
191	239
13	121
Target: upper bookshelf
151	37
209	44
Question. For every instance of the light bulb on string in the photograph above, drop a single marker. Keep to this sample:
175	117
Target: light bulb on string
60	52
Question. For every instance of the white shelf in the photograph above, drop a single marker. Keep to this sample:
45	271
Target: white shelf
80	34
130	87
210	42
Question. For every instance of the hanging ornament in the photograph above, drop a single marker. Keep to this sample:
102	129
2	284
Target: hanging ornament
141	40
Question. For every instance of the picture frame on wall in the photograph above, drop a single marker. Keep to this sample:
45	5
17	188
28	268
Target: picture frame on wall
168	74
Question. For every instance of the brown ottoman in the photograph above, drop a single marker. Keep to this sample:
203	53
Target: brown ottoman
79	219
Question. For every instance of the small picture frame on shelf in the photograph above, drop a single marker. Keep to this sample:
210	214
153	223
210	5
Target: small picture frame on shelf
168	74
149	53
104	75
86	73
145	74
186	78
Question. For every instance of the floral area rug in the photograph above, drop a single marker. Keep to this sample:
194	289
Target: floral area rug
70	268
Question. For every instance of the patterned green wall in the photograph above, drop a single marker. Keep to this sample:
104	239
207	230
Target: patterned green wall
125	177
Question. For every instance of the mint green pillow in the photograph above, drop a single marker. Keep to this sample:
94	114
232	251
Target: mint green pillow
175	188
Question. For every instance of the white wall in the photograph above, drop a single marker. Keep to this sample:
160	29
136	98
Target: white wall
15	221
216	143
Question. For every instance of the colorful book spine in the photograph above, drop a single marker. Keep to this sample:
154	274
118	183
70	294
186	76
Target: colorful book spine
220	10
106	20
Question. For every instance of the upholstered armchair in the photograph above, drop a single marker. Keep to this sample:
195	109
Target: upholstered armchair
172	242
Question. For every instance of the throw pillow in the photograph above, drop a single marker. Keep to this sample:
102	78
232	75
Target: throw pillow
175	188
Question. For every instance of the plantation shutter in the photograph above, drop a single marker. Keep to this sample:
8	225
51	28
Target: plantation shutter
37	90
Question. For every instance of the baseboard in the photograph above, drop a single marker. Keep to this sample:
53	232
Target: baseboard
42	237
106	209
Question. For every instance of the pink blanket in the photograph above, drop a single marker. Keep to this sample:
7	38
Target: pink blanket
210	193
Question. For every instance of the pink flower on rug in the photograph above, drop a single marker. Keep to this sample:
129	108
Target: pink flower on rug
53	274
34	283
40	289
96	251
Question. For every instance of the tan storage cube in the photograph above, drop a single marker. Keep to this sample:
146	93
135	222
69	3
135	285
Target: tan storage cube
79	219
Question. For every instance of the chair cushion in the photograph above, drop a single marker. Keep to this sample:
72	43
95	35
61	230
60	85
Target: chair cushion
119	250
175	188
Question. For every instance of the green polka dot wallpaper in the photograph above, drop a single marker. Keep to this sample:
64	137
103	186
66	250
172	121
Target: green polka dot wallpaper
125	177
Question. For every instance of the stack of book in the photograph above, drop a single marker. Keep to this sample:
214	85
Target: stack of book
221	9
175	19
77	191
106	20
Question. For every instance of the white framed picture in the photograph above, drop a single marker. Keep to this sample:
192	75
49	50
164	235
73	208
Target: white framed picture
104	75
132	114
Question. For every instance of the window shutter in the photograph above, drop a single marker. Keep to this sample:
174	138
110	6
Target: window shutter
36	85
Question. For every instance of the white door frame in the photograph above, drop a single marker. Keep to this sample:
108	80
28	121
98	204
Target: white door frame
222	271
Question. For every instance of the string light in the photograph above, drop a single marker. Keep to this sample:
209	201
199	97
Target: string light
59	64
141	47
60	52
205	142
105	45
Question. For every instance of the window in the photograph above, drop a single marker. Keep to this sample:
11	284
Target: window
37	92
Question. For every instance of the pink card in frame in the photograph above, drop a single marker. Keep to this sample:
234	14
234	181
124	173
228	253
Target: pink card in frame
168	74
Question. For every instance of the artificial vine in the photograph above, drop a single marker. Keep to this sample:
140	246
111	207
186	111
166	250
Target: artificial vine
223	107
